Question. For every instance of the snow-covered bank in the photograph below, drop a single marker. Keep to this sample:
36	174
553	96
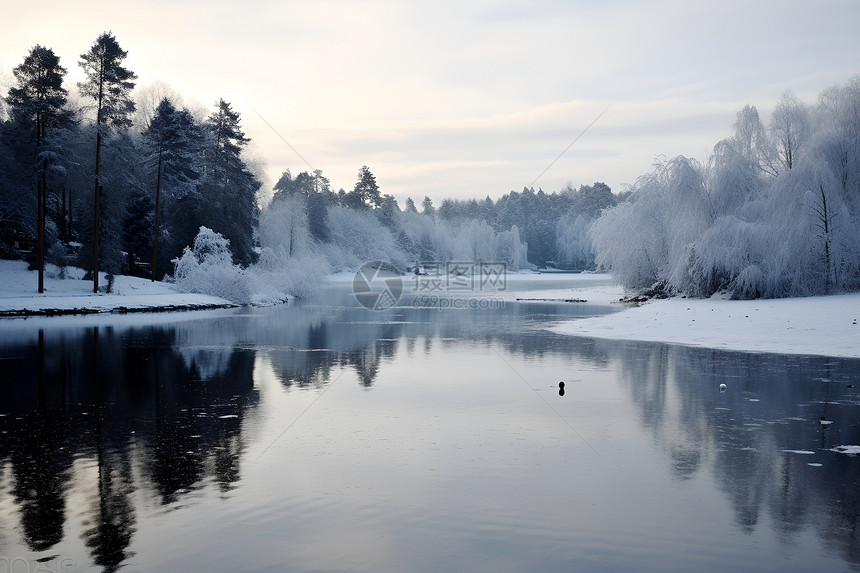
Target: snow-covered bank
825	325
594	288
18	296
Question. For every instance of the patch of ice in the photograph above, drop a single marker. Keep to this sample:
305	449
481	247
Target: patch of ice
228	416
850	450
802	452
814	465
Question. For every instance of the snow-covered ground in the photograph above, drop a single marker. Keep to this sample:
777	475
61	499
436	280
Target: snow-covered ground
18	293
825	325
828	326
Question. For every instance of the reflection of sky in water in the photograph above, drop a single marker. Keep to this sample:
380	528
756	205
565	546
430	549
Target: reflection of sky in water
333	438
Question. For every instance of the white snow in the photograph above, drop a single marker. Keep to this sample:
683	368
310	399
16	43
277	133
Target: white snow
18	292
595	288
824	325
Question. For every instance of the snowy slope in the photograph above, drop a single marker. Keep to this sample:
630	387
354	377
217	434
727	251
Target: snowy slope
18	294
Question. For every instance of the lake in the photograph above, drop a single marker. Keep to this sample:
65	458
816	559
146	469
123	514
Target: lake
323	436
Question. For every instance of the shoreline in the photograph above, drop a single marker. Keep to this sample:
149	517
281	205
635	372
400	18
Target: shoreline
72	296
83	311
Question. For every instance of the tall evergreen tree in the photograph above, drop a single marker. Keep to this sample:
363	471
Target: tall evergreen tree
37	102
231	189
427	207
174	142
110	85
366	190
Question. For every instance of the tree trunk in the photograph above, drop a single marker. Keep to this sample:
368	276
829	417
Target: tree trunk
155	237
41	231
96	194
825	220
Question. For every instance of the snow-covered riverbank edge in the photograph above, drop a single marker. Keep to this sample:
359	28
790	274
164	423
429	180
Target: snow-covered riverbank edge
18	296
823	325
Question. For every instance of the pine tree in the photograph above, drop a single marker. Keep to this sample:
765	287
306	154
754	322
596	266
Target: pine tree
231	189
366	190
37	102
110	85
174	143
427	207
389	213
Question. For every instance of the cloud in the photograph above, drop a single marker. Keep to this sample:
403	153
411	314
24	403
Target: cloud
462	99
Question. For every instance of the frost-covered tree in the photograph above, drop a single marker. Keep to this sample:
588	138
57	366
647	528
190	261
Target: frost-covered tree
478	242
790	128
427	207
109	85
389	213
645	241
148	97
573	244
377	242
512	250
284	226
751	142
739	226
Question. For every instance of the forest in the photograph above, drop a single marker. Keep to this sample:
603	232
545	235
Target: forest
119	181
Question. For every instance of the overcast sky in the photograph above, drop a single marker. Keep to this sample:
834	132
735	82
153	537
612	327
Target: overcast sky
464	98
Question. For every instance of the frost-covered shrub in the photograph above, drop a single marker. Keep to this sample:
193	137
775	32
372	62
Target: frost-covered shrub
208	268
275	279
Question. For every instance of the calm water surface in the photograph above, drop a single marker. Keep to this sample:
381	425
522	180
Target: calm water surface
326	437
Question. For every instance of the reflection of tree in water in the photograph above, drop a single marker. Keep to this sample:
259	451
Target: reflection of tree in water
99	395
40	467
746	435
110	524
333	341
